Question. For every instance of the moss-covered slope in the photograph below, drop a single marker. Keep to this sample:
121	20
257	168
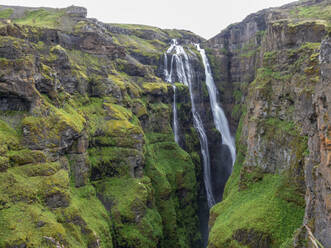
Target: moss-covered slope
87	155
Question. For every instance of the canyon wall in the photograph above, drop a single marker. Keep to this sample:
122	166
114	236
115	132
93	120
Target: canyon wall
87	150
275	67
88	157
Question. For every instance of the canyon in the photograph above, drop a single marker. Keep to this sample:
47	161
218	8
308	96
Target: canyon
132	136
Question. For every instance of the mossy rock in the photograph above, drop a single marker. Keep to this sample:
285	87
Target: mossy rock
26	156
114	161
173	176
130	201
9	137
155	88
53	130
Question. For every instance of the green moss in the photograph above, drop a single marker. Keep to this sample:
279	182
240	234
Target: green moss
248	54
18	225
215	64
98	221
171	170
26	156
117	112
270	57
95	114
137	223
112	161
267	212
9	137
139	108
52	126
82	61
155	88
276	127
26	219
146	48
117	127
236	111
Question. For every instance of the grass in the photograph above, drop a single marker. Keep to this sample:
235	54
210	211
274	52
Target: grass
41	18
136	27
139	45
276	127
260	208
313	12
258	202
6	13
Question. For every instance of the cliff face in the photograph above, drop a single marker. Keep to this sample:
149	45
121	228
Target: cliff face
277	64
87	152
88	157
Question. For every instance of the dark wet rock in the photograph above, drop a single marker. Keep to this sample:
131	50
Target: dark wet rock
253	238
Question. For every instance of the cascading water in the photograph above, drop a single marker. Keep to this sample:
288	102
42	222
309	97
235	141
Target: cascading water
180	59
175	121
220	121
180	71
168	78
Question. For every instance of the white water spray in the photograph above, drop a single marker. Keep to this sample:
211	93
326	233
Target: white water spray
220	121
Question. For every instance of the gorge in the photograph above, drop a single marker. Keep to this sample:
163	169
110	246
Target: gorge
132	136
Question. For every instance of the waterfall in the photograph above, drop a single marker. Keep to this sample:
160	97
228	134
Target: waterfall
168	78
179	58
220	120
175	121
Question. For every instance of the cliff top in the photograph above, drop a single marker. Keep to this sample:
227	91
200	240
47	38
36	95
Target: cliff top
296	13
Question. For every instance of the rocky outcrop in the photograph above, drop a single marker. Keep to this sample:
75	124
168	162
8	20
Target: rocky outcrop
87	154
280	103
318	172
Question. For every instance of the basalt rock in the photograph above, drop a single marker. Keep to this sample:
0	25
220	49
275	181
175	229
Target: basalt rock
85	125
282	95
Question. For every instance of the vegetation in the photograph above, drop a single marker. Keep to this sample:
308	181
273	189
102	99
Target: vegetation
83	146
172	171
6	13
41	18
320	12
267	205
92	162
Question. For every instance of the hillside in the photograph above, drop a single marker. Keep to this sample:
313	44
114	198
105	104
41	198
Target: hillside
88	111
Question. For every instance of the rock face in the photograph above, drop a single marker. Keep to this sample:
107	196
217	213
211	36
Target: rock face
275	73
318	173
87	153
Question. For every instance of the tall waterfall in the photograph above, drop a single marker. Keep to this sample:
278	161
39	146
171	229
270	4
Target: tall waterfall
180	60
220	121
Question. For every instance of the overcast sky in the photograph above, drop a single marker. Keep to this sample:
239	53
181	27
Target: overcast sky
205	17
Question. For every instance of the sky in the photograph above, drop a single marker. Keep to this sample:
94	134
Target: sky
205	17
